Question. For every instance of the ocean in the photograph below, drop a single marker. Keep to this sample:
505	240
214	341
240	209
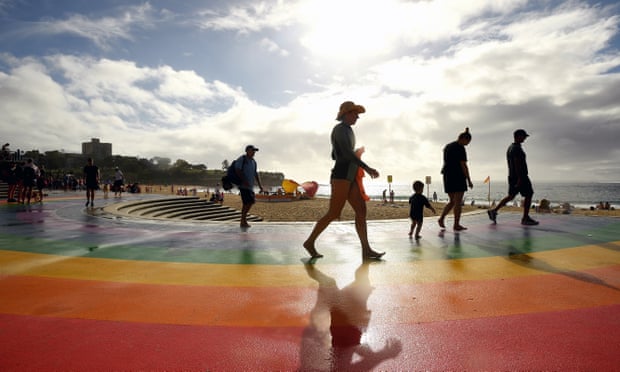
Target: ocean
580	195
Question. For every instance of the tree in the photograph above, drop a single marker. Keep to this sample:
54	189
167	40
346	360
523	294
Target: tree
181	164
54	160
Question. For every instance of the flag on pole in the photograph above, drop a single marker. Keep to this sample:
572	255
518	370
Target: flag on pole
488	179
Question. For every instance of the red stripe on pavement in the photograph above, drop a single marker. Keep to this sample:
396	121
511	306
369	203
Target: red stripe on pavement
582	339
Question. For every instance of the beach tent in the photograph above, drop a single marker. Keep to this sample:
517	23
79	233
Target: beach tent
309	187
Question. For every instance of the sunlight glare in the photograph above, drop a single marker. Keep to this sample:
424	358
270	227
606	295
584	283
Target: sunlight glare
350	29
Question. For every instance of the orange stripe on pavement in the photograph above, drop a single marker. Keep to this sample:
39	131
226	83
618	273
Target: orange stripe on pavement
290	306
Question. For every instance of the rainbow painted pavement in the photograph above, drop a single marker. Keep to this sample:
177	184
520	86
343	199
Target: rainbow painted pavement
83	290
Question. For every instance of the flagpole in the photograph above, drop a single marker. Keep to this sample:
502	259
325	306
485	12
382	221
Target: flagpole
489	194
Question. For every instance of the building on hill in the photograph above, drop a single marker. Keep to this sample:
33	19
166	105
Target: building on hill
97	150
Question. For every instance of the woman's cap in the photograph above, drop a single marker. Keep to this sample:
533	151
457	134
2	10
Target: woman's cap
349	106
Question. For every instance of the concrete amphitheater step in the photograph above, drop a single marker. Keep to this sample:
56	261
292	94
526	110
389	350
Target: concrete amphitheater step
177	208
4	190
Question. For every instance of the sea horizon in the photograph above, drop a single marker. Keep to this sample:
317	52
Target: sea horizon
577	194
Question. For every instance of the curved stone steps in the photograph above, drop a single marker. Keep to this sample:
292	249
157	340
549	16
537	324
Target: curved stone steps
147	206
185	208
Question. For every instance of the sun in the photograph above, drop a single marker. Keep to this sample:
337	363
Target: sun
350	29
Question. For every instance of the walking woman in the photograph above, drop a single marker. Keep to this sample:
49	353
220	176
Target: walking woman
344	187
455	178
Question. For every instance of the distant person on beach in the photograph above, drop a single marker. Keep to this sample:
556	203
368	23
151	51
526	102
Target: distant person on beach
29	174
343	184
247	170
417	203
518	180
6	152
455	178
11	179
435	196
91	177
19	175
118	182
40	181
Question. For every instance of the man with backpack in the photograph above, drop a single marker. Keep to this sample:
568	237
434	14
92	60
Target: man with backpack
247	172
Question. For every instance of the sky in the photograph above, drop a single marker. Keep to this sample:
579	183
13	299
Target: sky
199	80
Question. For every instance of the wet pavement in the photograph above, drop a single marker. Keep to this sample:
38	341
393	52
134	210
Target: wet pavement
81	289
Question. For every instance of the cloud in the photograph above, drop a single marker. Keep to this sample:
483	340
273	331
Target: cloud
273	47
491	66
101	31
361	28
105	98
250	17
5	6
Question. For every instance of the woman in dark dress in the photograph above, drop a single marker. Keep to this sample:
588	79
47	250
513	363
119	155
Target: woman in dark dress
455	178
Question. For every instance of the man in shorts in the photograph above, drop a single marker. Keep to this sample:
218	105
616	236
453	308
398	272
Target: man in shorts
518	180
247	170
91	179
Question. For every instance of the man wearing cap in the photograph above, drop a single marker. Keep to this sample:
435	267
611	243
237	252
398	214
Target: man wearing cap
247	171
518	180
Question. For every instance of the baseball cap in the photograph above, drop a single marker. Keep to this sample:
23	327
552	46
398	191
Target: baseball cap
521	132
251	147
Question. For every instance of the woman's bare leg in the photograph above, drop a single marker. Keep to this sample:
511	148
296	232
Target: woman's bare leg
457	199
359	207
340	192
445	212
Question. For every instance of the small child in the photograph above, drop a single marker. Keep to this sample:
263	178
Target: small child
416	212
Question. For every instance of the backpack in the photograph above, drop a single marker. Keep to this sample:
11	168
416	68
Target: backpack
231	178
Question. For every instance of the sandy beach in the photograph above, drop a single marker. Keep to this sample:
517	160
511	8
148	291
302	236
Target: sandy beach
313	209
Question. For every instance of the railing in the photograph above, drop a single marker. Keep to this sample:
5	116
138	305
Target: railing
12	156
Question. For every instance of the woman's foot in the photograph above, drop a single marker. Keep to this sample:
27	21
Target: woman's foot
312	251
372	255
459	228
441	224
418	237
